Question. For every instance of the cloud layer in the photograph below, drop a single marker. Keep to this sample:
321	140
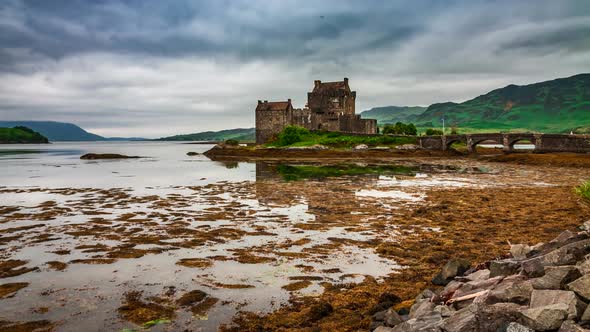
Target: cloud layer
154	68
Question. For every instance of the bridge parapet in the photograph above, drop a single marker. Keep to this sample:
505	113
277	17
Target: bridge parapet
542	142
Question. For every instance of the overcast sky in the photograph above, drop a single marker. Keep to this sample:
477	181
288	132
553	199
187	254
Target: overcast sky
155	68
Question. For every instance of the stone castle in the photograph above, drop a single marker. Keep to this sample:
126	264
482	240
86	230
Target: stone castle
330	107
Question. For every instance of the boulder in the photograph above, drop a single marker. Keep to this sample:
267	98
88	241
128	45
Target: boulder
464	320
453	268
426	294
361	147
421	308
515	327
191	154
444	311
497	317
379	316
478	275
519	251
545	318
586	226
392	318
556	277
586	315
568	254
95	156
428	323
514	290
571	326
584	266
581	286
504	267
542	298
408	147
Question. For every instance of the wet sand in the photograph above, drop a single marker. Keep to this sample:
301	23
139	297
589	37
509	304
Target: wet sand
275	253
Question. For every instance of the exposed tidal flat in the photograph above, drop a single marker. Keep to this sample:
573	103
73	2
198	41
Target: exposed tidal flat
174	242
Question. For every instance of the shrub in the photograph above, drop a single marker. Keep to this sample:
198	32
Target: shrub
400	128
433	132
583	190
292	134
232	142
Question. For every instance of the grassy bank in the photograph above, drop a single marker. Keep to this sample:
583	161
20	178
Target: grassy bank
296	136
583	190
20	135
295	173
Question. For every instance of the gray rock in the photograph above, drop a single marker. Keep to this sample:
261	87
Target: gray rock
545	318
556	277
584	266
542	298
586	315
454	267
504	267
479	275
361	147
568	254
421	308
374	325
514	290
410	147
564	237
586	226
581	286
444	311
464	320
515	327
519	251
383	329
379	316
571	326
428	323
450	289
392	318
426	294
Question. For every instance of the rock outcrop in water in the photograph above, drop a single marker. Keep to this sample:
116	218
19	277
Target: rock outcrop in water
540	288
94	156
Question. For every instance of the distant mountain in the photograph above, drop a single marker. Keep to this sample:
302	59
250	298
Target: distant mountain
240	134
560	105
21	135
62	131
393	114
555	106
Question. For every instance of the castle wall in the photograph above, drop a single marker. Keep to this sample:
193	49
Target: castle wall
271	122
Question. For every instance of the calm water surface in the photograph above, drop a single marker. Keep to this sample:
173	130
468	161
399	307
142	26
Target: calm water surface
254	225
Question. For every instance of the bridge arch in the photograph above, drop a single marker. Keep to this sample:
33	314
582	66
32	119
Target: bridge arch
511	139
474	140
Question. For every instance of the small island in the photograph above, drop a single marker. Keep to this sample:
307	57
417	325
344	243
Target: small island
21	135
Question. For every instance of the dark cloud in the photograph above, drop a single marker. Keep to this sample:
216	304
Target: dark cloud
192	65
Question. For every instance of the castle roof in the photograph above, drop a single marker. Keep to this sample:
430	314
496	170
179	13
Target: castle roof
273	105
323	87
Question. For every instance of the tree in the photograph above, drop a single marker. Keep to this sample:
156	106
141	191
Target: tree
433	132
292	134
400	128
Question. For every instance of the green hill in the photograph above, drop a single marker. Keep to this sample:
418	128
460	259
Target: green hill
240	134
63	131
393	114
555	106
21	135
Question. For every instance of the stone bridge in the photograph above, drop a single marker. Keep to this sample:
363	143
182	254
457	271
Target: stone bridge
542	142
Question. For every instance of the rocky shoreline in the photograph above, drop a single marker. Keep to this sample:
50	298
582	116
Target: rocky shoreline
360	152
545	287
